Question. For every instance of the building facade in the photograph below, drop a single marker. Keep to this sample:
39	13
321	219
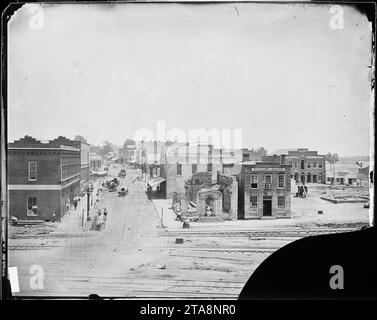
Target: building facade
307	166
42	178
95	161
84	162
264	190
179	162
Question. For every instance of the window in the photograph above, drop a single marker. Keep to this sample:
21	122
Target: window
281	202
32	209
267	181
32	170
209	167
281	181
179	169
320	165
194	168
314	164
309	165
254	203
302	164
295	164
253	181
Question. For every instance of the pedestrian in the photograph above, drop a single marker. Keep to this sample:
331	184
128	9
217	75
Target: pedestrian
75	203
68	206
104	215
53	217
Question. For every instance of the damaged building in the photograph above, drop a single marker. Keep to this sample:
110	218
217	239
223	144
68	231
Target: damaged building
211	201
179	162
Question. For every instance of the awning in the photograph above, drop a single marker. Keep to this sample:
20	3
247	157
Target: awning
154	182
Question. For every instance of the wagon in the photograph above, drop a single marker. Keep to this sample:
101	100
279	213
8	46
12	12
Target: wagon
123	191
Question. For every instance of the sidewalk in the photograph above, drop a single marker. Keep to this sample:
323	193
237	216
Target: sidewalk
73	220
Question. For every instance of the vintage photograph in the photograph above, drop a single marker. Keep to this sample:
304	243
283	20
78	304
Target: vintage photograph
165	150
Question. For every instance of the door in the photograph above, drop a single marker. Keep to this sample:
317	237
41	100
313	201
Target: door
267	207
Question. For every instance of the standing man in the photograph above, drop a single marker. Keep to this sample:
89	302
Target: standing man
75	200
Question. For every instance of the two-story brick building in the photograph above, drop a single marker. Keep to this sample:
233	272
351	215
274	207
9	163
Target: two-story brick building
42	177
307	166
265	189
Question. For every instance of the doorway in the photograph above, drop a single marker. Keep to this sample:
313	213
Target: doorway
267	206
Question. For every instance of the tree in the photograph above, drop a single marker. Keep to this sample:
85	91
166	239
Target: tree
80	138
106	149
128	142
262	151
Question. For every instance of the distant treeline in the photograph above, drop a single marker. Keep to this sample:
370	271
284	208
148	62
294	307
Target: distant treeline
353	159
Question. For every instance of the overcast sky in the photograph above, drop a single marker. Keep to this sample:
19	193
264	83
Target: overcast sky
277	72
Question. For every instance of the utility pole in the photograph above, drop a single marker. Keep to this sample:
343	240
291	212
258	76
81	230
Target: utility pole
87	204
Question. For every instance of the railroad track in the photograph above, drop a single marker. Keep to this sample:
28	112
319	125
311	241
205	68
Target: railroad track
294	233
36	247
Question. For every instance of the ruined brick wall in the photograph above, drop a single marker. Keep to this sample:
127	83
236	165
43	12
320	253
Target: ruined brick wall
198	181
228	185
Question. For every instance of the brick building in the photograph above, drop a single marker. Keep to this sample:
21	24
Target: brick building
84	148
42	177
265	189
307	166
253	155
